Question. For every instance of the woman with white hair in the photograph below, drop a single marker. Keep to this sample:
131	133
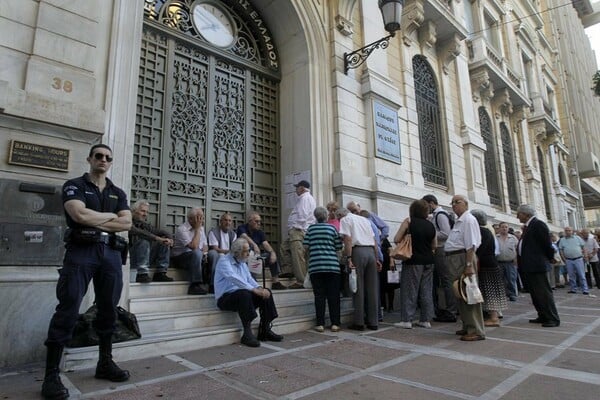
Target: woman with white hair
490	274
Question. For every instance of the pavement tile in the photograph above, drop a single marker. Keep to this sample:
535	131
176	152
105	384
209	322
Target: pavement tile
534	334
223	354
588	342
280	375
552	388
140	370
355	354
417	336
23	384
455	375
519	352
578	360
301	339
373	388
189	388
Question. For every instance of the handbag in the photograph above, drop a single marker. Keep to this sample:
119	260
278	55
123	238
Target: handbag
84	333
352	281
473	293
403	250
393	276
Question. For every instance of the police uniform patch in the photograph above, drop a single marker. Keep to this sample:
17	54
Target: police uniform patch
70	190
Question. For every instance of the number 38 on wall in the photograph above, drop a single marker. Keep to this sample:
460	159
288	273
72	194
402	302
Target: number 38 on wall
60	84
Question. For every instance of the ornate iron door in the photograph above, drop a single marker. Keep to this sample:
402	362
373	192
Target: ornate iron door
206	134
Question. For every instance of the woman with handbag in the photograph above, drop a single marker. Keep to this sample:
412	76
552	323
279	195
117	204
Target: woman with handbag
490	274
416	282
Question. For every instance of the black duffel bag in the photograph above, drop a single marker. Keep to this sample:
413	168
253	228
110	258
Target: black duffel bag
84	334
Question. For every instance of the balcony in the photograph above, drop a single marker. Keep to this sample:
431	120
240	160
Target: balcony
482	56
440	13
588	165
544	113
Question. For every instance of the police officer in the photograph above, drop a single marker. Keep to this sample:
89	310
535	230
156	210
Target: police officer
95	209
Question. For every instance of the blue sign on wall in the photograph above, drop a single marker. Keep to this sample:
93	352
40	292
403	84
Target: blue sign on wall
387	135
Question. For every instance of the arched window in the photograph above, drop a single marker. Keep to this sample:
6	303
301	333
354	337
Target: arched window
491	162
510	167
433	160
543	176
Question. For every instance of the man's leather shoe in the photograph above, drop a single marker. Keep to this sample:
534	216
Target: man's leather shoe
551	324
538	320
250	341
196	289
296	285
286	275
270	336
278	286
161	277
356	327
461	332
143	278
373	327
472	338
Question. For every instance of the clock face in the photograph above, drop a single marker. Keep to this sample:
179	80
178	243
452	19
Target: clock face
214	24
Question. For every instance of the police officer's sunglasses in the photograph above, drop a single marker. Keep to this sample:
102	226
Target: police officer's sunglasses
100	156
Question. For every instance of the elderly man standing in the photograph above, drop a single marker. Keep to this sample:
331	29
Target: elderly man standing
236	290
442	221
460	247
533	255
507	259
148	245
571	249
361	251
591	256
299	220
189	246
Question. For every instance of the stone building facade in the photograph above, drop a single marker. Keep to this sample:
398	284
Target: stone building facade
225	104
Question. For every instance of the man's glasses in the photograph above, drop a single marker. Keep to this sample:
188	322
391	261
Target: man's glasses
100	156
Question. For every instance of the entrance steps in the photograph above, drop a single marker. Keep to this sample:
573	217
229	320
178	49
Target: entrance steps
171	321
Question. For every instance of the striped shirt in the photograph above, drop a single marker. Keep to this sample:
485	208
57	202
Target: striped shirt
322	241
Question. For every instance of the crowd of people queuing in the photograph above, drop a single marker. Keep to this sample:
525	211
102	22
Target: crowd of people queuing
324	246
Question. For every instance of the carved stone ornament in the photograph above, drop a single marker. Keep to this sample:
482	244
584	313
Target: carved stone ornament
428	34
501	103
413	17
481	85
448	51
343	25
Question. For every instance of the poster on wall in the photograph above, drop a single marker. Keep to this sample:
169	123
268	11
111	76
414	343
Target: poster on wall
288	188
386	131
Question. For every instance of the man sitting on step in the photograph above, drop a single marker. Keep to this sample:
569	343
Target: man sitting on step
236	290
257	239
220	239
189	246
148	246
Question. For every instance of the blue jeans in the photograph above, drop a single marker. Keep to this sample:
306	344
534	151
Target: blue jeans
510	279
576	270
143	255
192	262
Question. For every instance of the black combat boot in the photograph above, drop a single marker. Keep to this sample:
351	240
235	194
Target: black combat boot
106	368
52	388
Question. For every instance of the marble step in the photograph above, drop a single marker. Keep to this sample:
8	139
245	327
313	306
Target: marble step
151	323
176	303
164	343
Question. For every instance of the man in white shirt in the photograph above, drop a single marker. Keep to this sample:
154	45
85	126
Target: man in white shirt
189	246
591	257
220	239
507	259
299	220
361	251
463	240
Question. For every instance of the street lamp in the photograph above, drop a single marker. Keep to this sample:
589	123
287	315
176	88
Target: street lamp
391	10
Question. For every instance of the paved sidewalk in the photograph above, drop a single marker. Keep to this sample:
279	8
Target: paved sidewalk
517	361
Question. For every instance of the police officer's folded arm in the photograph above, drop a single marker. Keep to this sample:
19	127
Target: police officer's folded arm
119	224
85	216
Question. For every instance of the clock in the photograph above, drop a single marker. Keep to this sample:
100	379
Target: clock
214	23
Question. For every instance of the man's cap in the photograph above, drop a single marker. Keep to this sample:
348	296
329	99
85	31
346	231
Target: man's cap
303	184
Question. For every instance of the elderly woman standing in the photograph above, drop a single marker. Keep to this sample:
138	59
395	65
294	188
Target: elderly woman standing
416	282
491	277
323	242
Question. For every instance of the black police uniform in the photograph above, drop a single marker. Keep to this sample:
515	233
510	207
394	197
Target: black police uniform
98	260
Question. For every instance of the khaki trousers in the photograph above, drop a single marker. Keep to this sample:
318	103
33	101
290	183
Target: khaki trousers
471	315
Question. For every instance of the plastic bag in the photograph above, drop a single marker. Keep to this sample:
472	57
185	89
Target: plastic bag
352	281
307	283
473	293
393	276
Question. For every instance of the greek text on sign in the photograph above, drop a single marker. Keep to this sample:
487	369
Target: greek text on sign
387	135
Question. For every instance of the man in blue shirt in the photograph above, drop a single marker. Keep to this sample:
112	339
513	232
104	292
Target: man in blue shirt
236	290
572	251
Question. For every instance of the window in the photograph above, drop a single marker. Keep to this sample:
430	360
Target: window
433	160
545	188
510	166
491	163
